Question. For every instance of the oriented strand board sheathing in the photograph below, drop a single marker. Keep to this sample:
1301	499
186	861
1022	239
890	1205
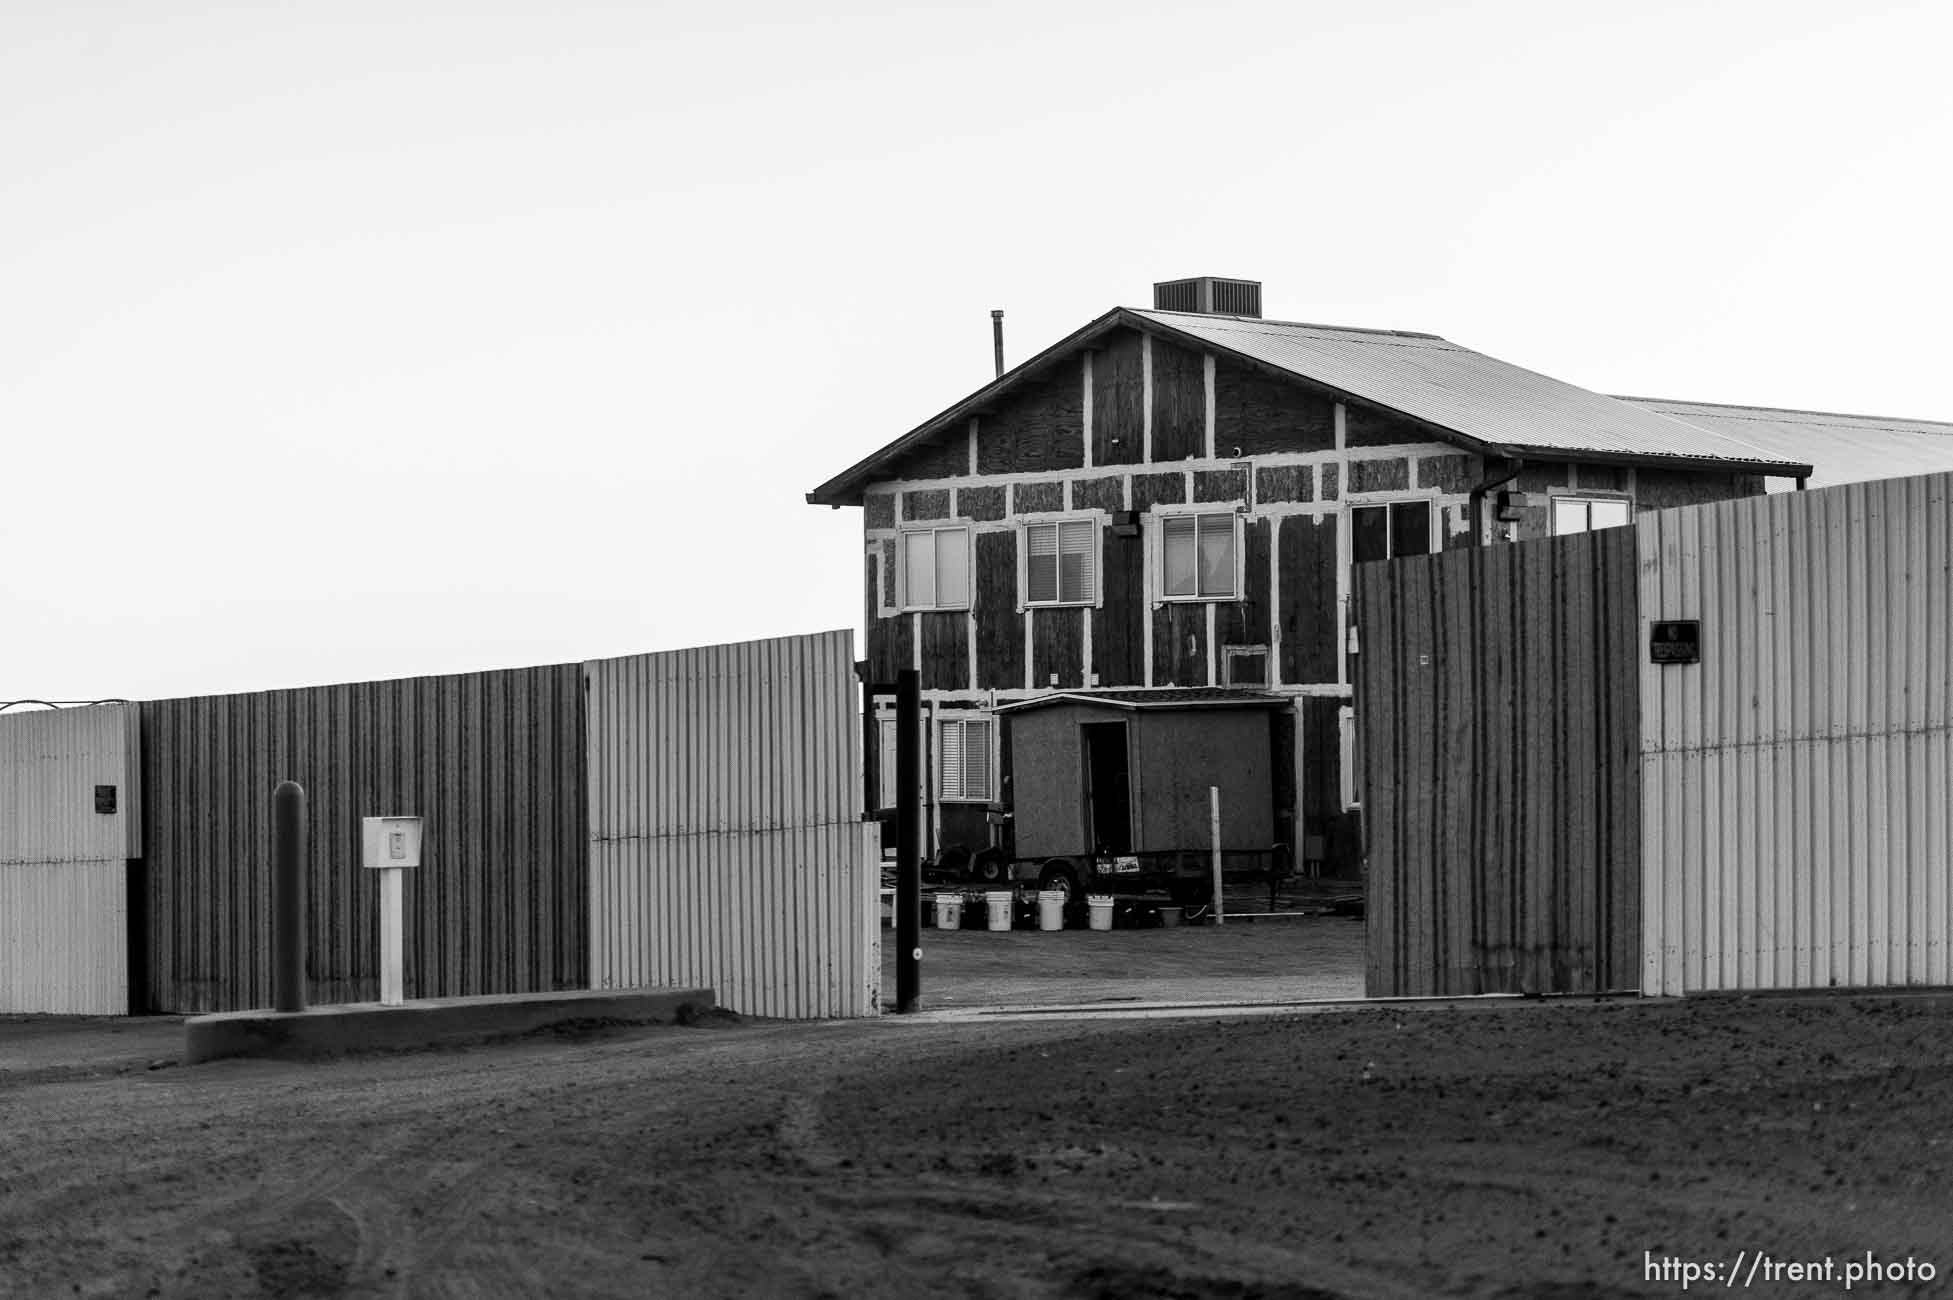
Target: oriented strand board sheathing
63	864
726	844
1496	708
492	761
1798	810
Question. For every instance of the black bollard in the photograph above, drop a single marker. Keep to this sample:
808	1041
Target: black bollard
908	840
288	896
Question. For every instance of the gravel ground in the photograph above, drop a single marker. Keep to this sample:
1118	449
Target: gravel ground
1505	1149
1288	960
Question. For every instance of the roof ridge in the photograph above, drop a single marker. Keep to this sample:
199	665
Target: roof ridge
1777	410
1296	324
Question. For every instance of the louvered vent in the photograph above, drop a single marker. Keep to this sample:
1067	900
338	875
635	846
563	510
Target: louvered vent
1209	294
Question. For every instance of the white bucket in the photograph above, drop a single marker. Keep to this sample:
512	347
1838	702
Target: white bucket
996	908
1101	905
1051	909
949	911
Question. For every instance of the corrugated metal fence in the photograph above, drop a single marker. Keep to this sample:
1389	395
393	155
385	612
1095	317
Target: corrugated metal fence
726	845
1799	780
1496	704
64	863
493	761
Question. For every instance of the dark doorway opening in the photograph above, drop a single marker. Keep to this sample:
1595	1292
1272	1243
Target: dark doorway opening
1108	798
137	940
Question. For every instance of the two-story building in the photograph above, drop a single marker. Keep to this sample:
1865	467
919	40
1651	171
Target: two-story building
1166	505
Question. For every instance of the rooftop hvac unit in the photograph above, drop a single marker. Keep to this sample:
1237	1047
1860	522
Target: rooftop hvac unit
1209	294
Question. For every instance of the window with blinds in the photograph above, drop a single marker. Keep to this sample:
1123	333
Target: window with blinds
1197	557
936	568
1061	562
963	759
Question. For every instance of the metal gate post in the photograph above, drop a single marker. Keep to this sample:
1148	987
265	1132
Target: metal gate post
908	865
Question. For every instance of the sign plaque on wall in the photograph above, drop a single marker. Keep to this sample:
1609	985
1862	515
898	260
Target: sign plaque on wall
1676	642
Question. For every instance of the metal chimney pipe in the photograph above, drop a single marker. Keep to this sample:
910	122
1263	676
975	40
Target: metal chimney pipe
997	337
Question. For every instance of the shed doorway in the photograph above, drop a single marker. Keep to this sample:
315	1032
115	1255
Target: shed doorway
1108	788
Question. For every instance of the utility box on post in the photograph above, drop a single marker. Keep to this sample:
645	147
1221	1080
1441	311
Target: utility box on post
389	845
390	842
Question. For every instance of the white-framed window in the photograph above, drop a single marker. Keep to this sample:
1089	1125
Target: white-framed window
885	760
1385	530
936	567
1573	514
963	760
1061	562
1352	756
1200	555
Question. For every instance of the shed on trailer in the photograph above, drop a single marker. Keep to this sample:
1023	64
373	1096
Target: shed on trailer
1110	789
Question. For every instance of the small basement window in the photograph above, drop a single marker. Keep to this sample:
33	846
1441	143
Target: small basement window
936	568
1589	514
1199	557
1245	665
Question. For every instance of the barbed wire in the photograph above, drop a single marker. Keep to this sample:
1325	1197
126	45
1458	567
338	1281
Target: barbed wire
61	704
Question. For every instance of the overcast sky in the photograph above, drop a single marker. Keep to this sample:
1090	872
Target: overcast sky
343	340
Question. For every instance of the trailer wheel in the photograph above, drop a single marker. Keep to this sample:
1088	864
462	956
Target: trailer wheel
1059	876
989	867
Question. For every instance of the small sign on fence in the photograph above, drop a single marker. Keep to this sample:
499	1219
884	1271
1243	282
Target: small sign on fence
1678	641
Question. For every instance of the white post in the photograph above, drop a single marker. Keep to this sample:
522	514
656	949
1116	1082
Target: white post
392	965
1214	832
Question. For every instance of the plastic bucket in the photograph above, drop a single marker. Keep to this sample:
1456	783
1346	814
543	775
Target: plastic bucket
949	911
996	908
1101	905
1051	909
1169	915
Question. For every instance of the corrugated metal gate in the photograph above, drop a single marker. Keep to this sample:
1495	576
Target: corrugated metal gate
726	845
1548	809
1799	779
64	861
1496	704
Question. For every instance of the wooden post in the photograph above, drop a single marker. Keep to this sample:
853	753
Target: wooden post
1214	833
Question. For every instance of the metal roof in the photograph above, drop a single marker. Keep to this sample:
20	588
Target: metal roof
1184	697
1839	448
1460	395
1503	407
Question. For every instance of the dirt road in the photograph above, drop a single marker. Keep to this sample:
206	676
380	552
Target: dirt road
1506	1150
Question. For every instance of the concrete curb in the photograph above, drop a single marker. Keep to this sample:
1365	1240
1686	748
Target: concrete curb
1240	1009
427	1022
